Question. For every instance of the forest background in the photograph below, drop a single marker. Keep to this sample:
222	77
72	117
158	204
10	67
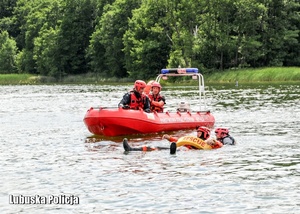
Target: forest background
136	38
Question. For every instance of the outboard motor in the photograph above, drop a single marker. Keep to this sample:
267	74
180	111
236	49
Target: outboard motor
183	107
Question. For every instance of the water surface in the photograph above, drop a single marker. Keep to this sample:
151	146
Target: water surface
47	150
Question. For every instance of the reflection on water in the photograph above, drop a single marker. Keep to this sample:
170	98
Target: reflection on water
47	150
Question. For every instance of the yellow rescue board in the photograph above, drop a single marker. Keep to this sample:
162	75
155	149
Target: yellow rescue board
193	141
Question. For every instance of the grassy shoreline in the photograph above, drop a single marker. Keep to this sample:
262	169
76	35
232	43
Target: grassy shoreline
271	74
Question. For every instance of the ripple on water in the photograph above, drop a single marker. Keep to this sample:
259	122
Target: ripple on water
46	149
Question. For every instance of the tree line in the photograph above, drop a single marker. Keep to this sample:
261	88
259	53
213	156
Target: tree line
136	38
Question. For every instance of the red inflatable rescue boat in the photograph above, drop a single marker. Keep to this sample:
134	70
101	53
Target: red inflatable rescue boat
118	121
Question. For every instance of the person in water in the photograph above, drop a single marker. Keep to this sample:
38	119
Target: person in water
157	101
223	136
136	99
128	148
202	132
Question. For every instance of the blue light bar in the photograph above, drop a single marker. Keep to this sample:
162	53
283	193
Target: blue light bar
179	70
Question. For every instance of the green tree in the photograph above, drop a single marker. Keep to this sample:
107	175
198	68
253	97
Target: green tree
106	46
45	50
6	16
273	34
279	33
180	23
6	8
96	51
292	34
45	53
21	11
35	15
74	34
248	22
8	51
146	45
137	38
229	34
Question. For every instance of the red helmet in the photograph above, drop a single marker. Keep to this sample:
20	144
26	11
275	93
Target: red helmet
156	84
139	84
222	131
204	130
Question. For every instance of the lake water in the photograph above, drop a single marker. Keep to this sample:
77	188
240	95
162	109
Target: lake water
47	152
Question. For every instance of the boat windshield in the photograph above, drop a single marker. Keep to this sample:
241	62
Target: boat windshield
180	72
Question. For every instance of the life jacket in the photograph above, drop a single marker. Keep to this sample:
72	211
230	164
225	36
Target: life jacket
154	107
217	144
228	136
135	102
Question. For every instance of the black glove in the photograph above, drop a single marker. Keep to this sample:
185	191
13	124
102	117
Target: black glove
123	107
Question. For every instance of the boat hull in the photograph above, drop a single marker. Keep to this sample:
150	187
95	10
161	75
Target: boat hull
118	121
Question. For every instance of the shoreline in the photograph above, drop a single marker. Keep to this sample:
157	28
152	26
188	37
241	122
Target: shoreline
249	76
